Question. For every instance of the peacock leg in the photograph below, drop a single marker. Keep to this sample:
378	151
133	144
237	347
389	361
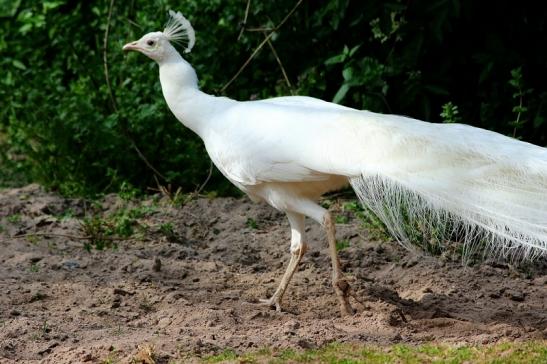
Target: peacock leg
298	249
339	282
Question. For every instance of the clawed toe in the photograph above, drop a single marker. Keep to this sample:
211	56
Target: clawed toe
271	302
343	291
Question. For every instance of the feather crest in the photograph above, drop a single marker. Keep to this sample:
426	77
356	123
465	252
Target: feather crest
179	30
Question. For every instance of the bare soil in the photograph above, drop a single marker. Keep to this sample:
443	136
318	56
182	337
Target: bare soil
193	290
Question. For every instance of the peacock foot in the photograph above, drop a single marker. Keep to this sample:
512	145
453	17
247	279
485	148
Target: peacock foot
343	292
272	302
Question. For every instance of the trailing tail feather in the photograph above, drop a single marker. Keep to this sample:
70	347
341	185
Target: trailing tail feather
457	181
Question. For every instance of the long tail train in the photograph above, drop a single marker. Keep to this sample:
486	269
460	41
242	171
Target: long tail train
487	189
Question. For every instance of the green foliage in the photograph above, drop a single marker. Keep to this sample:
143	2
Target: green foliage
519	109
167	229
60	126
450	113
15	218
341	219
431	237
375	227
128	192
95	228
222	357
342	244
251	223
103	231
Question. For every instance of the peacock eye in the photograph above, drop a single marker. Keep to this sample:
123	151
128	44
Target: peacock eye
150	42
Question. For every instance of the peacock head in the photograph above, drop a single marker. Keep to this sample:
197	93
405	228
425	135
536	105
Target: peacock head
157	45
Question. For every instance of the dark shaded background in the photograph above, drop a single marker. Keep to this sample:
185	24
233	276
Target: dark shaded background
481	63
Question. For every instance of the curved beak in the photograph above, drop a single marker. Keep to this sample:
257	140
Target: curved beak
131	47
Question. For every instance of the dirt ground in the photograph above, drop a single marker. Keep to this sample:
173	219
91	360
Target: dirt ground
187	284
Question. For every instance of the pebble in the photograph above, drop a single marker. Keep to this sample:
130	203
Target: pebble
87	357
305	344
122	292
47	349
70	264
164	322
157	265
515	295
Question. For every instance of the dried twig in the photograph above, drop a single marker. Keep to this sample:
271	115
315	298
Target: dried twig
280	64
145	160
259	29
259	47
200	188
244	19
167	192
134	23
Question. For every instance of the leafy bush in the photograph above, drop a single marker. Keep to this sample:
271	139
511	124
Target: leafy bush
60	126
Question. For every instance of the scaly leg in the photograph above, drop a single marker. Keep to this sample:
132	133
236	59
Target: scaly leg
339	282
298	249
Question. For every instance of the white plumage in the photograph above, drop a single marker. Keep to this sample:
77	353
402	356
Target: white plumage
288	151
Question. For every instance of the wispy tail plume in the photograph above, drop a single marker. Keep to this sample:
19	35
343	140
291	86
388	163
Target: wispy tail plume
456	181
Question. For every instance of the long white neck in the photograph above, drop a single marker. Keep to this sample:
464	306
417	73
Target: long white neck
179	84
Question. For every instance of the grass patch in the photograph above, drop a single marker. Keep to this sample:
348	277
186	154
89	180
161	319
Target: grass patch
342	244
531	352
369	221
226	355
122	224
341	219
251	223
15	218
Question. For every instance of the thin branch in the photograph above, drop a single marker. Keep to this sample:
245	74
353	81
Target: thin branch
145	160
259	29
206	179
134	23
244	19
280	65
255	52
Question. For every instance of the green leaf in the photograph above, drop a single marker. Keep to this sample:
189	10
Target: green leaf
339	58
50	5
341	93
25	28
347	73
9	8
519	109
354	49
19	64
